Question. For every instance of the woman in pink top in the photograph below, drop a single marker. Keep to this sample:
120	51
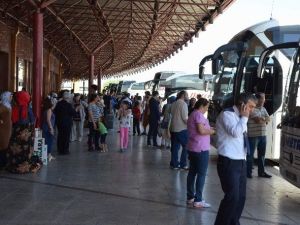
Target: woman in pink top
198	147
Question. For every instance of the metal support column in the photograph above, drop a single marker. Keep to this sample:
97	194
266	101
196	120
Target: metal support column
37	66
58	77
25	79
99	79
92	72
47	78
13	60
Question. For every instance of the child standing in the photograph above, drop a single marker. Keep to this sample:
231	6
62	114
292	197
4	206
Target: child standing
124	115
136	112
103	134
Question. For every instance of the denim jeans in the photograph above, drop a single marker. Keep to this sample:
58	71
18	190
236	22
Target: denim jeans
177	139
198	167
48	140
260	143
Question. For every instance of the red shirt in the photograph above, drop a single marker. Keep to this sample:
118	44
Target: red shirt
136	113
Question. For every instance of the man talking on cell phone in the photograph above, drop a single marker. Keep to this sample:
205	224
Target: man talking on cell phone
232	143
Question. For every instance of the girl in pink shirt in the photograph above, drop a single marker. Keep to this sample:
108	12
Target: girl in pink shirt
125	118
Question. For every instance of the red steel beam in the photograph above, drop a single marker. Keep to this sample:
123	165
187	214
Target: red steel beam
37	66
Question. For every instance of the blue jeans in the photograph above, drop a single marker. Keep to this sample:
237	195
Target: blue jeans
198	167
48	140
232	174
177	139
260	143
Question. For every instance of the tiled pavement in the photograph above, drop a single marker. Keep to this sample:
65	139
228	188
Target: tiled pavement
132	188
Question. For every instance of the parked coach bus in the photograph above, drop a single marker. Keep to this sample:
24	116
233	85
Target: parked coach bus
290	121
235	67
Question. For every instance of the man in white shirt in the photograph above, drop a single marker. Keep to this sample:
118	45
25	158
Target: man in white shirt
233	145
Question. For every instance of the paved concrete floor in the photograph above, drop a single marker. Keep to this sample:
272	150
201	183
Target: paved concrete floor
132	188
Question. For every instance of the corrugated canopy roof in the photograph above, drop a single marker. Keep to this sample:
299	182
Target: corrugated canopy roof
122	34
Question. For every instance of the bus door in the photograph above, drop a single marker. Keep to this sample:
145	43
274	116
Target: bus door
273	74
289	124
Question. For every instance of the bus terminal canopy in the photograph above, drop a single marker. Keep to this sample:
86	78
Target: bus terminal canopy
121	35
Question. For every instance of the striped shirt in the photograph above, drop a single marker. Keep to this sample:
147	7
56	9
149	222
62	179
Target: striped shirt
257	129
96	110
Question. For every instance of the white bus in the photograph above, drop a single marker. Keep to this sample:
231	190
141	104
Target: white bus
235	66
188	82
159	82
271	61
137	89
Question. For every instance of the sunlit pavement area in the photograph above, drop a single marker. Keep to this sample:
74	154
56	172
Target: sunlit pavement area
132	188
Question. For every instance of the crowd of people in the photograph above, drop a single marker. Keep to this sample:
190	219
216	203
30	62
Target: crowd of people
181	123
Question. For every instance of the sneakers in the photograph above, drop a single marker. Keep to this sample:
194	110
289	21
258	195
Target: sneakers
201	204
174	168
50	158
184	168
190	201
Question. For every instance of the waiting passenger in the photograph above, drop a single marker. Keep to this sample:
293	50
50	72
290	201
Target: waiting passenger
103	133
165	124
78	119
64	113
198	150
136	112
179	133
124	115
5	126
257	133
145	106
154	118
48	125
231	127
95	112
192	104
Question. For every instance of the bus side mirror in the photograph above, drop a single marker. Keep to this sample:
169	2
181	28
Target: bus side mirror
217	64
215	68
201	72
279	126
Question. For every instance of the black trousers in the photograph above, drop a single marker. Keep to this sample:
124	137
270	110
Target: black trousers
232	174
136	126
3	158
153	131
63	139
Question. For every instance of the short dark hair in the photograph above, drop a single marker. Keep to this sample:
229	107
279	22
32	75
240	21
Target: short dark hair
259	95
47	104
93	97
201	102
155	93
181	94
147	93
243	98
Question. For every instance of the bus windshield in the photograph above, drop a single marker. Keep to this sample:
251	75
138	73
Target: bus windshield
137	86
291	111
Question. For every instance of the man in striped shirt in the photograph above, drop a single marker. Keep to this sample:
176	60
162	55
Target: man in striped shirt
257	123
